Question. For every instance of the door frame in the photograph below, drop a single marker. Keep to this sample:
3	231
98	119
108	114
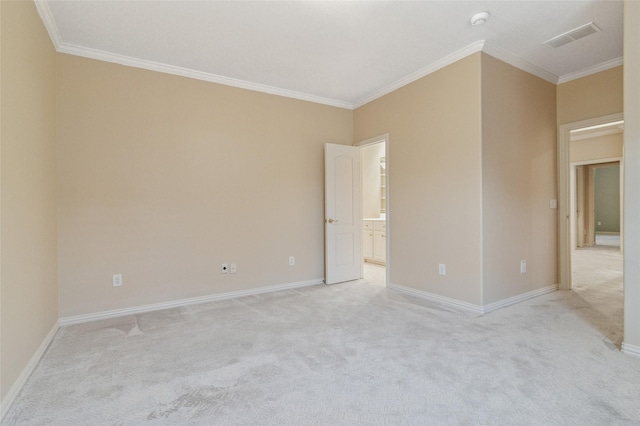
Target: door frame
384	138
564	192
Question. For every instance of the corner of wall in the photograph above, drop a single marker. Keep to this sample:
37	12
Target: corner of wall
28	260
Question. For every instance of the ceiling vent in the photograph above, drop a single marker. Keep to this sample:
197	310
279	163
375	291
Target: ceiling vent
573	35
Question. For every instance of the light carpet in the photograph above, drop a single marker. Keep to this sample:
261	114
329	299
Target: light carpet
347	354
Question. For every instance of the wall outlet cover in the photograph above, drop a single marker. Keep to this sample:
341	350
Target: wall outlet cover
442	269
117	280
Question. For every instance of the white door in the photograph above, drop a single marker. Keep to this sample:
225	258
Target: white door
342	217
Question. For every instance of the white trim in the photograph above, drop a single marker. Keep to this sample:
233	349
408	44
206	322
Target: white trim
632	350
448	301
374	140
443	300
49	23
78	319
591	135
27	371
597	161
387	214
422	72
519	298
520	63
591	70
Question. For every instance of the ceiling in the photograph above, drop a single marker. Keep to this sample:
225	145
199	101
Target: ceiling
341	53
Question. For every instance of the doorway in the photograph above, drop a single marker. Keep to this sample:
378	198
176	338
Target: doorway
581	142
375	209
591	197
597	196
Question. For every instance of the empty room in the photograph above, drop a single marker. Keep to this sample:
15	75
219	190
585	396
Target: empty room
187	236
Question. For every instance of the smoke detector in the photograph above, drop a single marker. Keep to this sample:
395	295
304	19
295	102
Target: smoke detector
479	18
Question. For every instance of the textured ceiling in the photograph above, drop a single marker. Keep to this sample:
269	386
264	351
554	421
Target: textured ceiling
340	52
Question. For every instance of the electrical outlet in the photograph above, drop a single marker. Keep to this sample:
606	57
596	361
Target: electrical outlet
225	268
117	280
232	268
292	260
442	269
523	266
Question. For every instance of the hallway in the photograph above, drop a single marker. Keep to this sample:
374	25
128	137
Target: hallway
597	279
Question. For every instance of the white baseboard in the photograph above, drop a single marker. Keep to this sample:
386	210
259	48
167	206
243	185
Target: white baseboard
78	319
632	350
518	299
448	301
26	373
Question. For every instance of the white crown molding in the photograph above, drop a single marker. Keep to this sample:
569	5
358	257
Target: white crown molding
198	75
49	22
632	350
478	46
520	63
591	70
79	319
60	46
422	72
27	371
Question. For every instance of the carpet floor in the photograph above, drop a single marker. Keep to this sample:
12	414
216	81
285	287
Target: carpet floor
348	354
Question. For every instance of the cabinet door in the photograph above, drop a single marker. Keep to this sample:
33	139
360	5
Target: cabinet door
380	246
367	244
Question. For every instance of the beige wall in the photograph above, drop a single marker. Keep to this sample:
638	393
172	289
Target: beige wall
597	148
29	288
433	161
371	155
518	180
164	178
588	97
472	164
